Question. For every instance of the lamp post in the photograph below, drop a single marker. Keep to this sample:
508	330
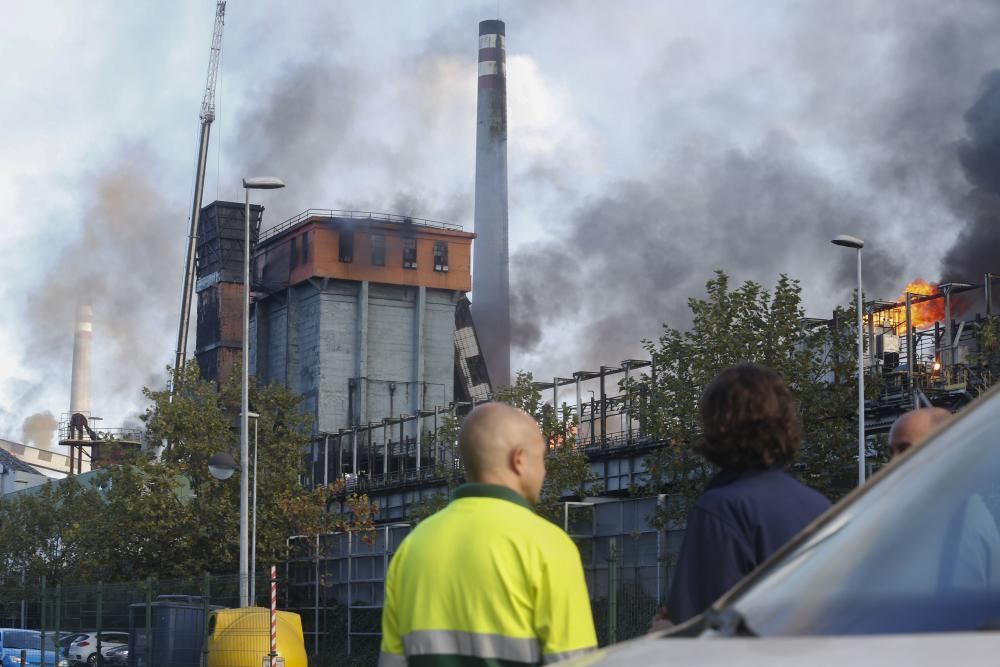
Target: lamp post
856	243
260	183
253	510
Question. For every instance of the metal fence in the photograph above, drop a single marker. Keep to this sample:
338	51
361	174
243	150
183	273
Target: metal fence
165	623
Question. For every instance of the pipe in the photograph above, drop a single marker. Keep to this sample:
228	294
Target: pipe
910	350
192	251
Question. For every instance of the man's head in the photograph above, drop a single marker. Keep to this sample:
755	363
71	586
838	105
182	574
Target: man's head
750	419
914	427
503	445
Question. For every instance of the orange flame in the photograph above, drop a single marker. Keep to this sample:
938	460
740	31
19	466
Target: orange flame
924	314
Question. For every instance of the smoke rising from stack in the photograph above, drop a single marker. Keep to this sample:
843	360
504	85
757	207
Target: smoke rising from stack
843	118
126	260
38	430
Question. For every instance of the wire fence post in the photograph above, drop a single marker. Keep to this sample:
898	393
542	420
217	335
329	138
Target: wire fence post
58	612
613	591
148	644
100	611
42	613
206	592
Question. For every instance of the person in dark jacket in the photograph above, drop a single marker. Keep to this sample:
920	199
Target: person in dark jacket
752	506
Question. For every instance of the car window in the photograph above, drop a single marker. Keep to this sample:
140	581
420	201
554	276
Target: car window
114	638
919	551
26	639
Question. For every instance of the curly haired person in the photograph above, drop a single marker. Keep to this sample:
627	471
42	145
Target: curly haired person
752	506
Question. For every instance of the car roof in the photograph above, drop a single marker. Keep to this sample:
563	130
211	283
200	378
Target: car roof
975	649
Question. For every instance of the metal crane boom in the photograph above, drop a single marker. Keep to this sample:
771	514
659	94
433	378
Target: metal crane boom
207	116
208	103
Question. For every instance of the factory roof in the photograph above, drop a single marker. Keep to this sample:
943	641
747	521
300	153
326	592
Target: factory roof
10	461
313	213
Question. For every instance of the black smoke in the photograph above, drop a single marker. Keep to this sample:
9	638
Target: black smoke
977	248
886	88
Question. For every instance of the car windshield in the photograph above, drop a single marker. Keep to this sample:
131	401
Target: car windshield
27	639
919	551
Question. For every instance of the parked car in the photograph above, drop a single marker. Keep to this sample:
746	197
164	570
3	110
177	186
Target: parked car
116	656
84	650
67	638
905	570
13	641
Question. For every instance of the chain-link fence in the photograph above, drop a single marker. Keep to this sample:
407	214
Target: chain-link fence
153	623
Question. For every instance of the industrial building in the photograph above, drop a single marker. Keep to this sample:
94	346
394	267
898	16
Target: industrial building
364	315
15	474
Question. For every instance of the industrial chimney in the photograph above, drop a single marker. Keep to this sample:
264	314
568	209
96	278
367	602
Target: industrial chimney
491	278
79	396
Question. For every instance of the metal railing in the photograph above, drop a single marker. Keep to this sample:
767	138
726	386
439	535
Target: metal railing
308	214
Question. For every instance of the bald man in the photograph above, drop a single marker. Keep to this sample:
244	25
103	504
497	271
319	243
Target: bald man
971	556
914	427
486	581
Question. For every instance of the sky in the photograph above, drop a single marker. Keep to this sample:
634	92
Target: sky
650	144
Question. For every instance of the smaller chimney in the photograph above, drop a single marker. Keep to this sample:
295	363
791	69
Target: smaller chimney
79	397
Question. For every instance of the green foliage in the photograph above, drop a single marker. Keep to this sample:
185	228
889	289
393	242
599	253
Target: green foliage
167	516
748	324
447	435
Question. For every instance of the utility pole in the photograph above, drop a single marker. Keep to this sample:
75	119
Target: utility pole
207	116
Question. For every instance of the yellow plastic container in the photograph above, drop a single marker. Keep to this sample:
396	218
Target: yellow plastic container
242	638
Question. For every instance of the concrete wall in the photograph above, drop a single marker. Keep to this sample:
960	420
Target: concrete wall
355	359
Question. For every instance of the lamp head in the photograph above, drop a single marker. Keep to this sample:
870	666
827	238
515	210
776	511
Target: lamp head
221	466
263	183
848	241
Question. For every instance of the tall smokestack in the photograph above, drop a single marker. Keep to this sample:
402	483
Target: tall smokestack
491	277
79	396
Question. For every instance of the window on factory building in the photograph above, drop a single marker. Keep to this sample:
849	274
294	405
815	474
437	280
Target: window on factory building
440	256
409	253
378	249
346	246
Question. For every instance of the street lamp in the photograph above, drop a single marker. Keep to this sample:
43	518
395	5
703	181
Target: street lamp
260	183
253	528
221	466
856	243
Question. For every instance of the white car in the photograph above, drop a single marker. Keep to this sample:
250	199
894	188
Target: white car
904	571
84	649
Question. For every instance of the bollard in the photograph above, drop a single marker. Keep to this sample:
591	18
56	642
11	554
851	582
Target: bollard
274	618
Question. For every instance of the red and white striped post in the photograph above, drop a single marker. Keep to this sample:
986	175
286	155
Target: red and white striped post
274	616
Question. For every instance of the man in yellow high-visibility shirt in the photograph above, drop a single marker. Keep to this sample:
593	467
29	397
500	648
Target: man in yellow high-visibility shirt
486	581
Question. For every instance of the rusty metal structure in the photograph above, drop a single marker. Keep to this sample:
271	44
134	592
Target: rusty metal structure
939	363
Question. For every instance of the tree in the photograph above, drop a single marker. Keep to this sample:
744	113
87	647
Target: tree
131	515
748	324
447	435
